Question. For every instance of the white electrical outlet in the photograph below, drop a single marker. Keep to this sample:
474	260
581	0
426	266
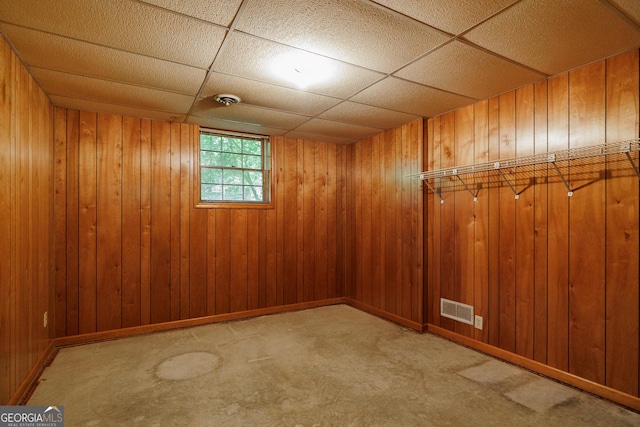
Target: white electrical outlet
46	318
478	322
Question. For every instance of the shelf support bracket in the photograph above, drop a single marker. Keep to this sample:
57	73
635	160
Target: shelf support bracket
496	165
552	160
475	196
422	177
626	149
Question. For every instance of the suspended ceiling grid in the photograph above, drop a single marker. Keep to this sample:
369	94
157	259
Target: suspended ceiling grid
390	61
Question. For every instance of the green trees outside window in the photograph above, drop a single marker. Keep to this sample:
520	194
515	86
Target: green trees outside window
234	168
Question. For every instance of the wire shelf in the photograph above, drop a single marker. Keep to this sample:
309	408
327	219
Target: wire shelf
623	147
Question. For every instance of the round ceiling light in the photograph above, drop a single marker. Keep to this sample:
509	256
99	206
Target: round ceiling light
226	99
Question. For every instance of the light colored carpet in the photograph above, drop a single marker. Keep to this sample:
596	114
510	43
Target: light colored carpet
329	366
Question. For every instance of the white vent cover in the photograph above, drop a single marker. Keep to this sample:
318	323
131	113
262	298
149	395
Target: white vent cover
456	311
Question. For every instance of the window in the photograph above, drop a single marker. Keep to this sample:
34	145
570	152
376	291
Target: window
234	169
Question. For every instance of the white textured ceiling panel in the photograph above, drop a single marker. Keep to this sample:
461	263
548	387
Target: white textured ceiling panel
451	67
126	25
353	31
366	115
101	107
255	58
631	8
207	107
337	129
215	123
90	89
556	35
262	94
452	16
315	137
222	14
44	50
411	98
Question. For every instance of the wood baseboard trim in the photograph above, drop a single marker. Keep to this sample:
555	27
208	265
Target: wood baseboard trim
385	315
179	324
605	392
28	382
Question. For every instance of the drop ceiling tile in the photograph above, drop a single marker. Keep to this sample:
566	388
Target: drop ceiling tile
207	107
556	35
91	89
123	110
268	95
320	138
53	52
255	58
366	115
463	69
126	25
411	98
337	129
222	14
220	124
353	31
629	7
452	16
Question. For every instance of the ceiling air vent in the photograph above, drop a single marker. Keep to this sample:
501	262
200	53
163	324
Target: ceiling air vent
456	311
226	99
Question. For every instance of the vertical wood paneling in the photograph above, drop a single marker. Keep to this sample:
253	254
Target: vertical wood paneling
186	144
334	234
405	215
390	232
60	208
622	237
175	150
109	222
481	230
131	224
524	228
308	235
321	249
435	288
386	206
558	220
87	275
364	222
561	272
541	234
32	187
7	227
290	226
586	232
507	339
72	313
223	260
376	224
464	217
160	222
253	260
447	221
238	291
493	193
145	222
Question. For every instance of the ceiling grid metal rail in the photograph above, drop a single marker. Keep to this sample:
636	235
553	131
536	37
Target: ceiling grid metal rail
457	172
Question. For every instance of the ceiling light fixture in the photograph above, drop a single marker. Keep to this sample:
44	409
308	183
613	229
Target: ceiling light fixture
226	99
302	69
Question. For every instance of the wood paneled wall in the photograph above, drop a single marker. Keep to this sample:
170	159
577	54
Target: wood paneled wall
385	221
26	213
554	277
132	250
